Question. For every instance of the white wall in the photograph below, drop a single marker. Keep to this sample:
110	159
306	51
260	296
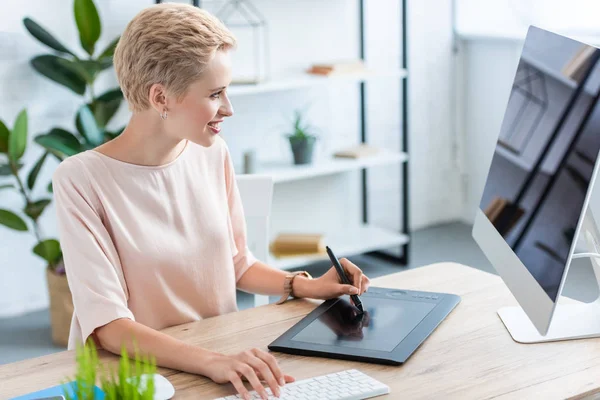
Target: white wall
512	17
299	36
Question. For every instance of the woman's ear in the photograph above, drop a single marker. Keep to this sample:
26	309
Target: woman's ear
158	98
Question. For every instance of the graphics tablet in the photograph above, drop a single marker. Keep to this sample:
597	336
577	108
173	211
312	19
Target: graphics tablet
393	326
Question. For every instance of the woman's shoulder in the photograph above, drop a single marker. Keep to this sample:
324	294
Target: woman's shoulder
74	170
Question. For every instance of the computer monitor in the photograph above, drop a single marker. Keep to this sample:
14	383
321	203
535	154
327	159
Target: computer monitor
535	201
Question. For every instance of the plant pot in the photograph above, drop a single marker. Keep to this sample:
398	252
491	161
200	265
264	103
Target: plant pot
61	307
302	149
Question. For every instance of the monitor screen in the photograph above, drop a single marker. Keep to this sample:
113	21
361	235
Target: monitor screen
545	154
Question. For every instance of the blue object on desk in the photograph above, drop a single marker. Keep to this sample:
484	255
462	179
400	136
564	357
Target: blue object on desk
57	391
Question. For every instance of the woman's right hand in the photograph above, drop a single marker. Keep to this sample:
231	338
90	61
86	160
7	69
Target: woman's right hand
251	365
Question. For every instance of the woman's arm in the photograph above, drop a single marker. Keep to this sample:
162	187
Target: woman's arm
169	352
251	365
263	279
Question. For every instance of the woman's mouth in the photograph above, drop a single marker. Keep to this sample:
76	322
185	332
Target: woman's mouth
215	126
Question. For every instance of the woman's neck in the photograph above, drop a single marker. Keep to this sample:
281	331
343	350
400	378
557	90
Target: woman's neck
144	142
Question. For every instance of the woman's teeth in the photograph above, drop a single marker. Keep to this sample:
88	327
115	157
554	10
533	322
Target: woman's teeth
215	127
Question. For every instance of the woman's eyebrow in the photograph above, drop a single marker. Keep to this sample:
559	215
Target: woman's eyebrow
220	88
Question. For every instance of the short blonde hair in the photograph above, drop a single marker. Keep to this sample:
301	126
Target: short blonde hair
170	44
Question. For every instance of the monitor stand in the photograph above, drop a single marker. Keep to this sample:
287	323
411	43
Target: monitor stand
574	320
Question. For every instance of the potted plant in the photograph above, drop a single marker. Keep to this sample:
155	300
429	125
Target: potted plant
13	144
127	383
302	140
77	73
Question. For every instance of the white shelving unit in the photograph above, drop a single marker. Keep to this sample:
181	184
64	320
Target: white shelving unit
285	172
347	243
304	80
364	237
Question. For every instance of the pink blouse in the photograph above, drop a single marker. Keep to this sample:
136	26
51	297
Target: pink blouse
161	245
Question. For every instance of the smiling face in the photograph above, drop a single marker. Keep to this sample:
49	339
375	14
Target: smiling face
199	114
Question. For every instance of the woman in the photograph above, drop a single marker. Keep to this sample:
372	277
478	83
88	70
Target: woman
151	223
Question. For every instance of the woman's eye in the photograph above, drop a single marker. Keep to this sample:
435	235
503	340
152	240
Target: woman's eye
215	95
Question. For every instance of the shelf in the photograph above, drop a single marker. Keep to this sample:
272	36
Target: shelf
303	79
285	172
345	244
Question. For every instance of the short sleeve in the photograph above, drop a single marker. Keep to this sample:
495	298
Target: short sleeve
92	263
243	258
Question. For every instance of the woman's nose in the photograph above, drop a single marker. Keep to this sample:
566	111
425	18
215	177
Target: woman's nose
226	109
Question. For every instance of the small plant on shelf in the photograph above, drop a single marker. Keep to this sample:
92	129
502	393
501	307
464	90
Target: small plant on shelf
302	140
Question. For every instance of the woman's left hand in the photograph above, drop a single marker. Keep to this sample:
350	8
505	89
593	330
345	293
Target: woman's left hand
329	286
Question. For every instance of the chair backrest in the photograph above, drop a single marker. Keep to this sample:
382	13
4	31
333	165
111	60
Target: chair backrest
256	192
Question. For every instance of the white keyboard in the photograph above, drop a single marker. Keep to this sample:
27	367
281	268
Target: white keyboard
345	385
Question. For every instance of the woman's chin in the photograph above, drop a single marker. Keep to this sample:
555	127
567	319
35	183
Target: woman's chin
206	140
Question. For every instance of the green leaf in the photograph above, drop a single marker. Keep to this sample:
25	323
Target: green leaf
44	36
4	134
67	137
105	63
35	209
88	127
106	106
49	250
33	174
6	171
7	186
50	187
113	94
51	68
88	23
17	140
60	143
109	51
12	220
60	157
85	69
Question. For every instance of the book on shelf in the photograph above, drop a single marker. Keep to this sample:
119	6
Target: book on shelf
358	151
339	67
579	63
290	244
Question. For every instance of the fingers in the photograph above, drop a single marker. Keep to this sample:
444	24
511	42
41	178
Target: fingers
347	289
365	283
270	371
248	372
358	278
239	385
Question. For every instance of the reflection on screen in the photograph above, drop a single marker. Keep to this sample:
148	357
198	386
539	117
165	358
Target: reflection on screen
545	154
382	326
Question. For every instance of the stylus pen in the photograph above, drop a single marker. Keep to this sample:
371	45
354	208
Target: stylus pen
343	277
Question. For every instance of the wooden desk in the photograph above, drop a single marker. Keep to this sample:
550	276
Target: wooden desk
469	356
